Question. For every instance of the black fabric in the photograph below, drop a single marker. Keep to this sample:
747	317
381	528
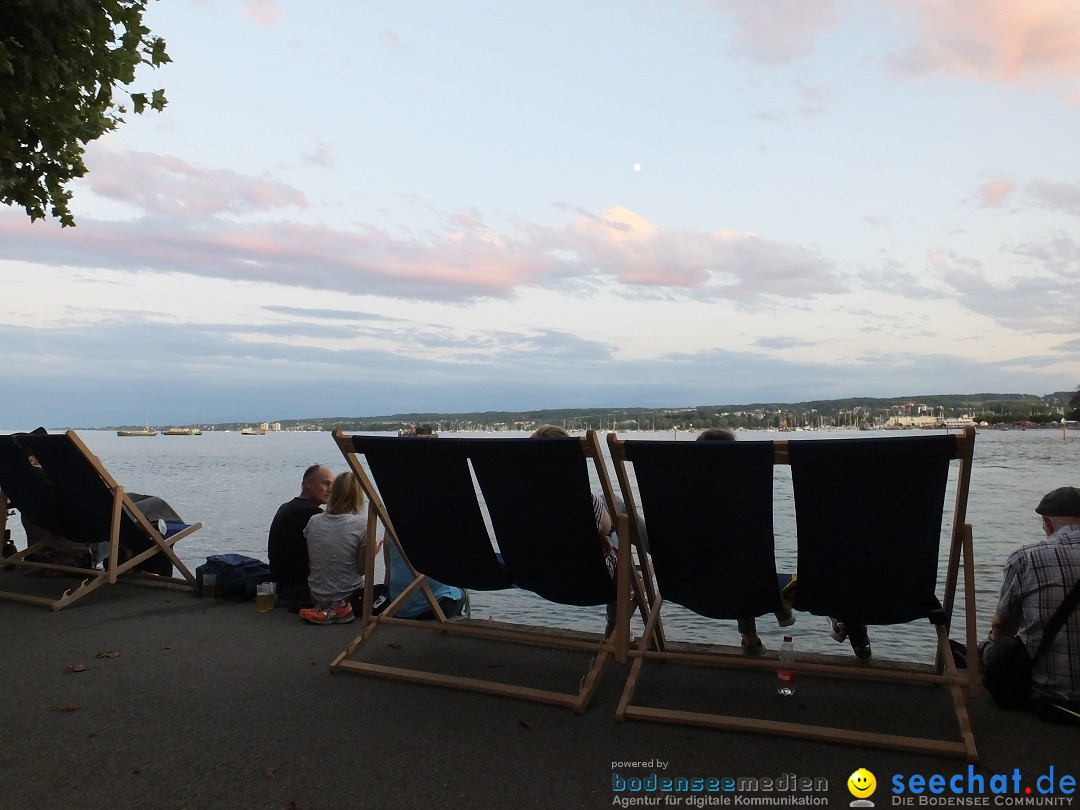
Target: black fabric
69	497
708	507
286	546
540	502
429	493
1006	672
869	516
31	492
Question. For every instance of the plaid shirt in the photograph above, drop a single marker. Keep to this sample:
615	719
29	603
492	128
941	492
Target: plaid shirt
1038	577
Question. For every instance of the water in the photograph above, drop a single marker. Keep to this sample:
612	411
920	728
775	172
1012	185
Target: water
233	484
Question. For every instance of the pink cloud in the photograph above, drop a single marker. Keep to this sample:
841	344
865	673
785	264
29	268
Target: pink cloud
994	192
194	223
264	12
996	40
165	185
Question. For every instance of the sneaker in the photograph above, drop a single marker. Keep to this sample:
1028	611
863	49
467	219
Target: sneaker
836	629
785	617
332	614
753	648
860	642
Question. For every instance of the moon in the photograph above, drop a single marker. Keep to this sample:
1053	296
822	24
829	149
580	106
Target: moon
637	167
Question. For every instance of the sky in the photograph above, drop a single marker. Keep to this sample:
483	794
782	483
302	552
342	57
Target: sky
354	208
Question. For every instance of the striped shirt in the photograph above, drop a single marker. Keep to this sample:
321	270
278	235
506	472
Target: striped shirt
1038	577
333	544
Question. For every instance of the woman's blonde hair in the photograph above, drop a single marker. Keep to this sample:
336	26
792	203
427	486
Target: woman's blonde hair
345	495
549	432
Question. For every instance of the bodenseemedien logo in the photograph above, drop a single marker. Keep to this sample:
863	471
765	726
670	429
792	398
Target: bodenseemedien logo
862	785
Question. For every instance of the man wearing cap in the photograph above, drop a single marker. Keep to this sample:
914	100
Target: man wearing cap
1037	579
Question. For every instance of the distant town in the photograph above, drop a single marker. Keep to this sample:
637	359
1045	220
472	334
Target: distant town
1061	410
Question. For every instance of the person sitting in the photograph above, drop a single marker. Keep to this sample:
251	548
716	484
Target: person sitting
1037	578
335	550
67	545
452	601
286	546
750	642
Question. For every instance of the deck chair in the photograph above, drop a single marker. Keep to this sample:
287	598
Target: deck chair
539	501
72	496
712	504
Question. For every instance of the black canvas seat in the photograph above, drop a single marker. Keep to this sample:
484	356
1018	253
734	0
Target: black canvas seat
427	494
869	515
71	496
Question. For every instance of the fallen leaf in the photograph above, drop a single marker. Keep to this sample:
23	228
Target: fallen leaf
64	709
270	773
76	668
109	654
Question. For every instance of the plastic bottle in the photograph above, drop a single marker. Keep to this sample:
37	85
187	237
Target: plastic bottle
785	678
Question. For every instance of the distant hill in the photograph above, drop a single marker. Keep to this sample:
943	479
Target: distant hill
846	411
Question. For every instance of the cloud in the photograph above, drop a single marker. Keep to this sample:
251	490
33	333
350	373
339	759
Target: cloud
782	342
323	155
168	186
1002	41
131	370
1056	196
392	41
1046	300
739	267
877	222
778	31
265	12
330	314
201	222
995	192
993	40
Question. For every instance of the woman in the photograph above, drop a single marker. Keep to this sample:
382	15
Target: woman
335	542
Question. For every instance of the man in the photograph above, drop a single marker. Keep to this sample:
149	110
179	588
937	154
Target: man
286	546
1037	578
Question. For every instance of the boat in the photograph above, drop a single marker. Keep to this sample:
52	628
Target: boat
177	432
143	431
250	431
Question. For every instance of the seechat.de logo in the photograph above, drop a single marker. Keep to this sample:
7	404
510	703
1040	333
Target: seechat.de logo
862	785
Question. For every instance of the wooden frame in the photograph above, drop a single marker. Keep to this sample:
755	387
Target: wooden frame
615	645
942	673
123	516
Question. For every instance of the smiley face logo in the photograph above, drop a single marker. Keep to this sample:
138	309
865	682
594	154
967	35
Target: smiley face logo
862	783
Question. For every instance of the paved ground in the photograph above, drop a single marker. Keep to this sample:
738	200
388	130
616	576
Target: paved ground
177	702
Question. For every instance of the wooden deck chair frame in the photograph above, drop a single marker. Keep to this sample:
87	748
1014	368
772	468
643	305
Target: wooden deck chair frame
453	489
943	672
117	518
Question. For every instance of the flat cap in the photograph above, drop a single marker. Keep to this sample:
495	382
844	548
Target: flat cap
1063	501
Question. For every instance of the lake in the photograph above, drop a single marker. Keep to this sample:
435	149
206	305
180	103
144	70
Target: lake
233	484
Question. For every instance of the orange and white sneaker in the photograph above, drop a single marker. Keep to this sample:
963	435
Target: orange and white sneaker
336	613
